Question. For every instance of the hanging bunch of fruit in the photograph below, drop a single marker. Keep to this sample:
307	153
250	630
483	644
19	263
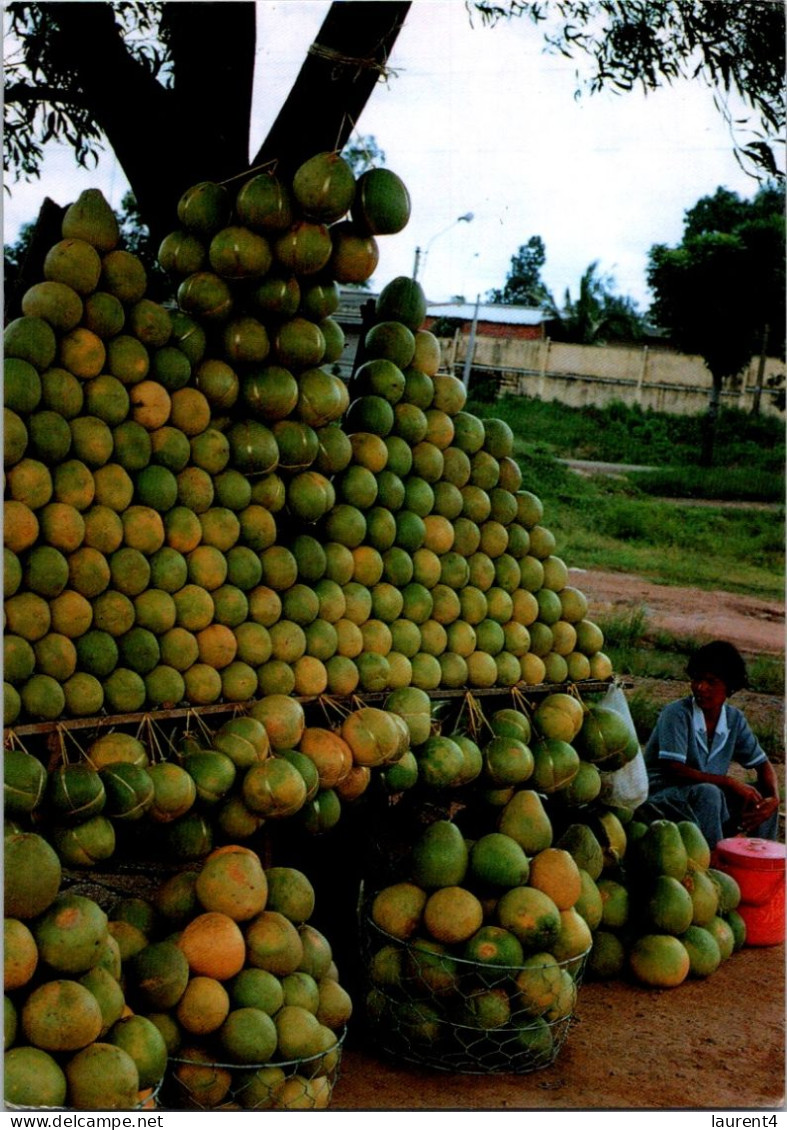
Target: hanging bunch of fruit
123	797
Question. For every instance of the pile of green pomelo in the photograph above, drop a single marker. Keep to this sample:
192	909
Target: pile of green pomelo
220	966
200	511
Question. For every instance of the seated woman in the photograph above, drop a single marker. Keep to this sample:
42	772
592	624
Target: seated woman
692	746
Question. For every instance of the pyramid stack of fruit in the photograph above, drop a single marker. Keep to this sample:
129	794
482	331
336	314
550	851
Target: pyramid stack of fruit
198	509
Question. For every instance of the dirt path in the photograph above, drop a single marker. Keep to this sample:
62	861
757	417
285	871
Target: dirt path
753	625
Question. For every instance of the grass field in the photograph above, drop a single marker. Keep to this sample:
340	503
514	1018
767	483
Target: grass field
611	522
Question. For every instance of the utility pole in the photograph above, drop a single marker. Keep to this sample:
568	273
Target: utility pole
471	345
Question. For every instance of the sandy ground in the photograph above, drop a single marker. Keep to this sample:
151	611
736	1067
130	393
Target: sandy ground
716	1044
752	624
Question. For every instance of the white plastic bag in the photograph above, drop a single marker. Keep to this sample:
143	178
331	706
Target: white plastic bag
626	787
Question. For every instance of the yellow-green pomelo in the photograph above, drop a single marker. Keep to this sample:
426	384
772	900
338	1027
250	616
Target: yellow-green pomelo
531	915
170	368
33	1078
61	1016
75	263
659	960
123	274
55	302
91	219
103	314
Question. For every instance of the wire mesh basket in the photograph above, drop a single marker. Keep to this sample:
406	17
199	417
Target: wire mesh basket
437	1010
147	1100
297	1084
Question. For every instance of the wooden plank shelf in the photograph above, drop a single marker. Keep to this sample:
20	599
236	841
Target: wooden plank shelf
337	702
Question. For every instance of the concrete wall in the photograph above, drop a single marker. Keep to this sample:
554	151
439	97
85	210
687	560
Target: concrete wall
659	379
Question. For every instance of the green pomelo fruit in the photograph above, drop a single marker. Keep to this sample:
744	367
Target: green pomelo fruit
695	843
439	856
305	248
669	906
181	253
55	302
525	819
703	950
90	218
392	341
33	1078
728	889
355	254
402	300
75	262
324	187
103	314
70	933
497	860
264	203
236	252
531	916
704	896
662	850
382	202
75	792
722	932
659	960
335	340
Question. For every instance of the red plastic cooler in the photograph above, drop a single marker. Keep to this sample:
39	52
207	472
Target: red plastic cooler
758	868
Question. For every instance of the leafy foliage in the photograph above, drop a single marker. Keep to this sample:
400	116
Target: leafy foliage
720	292
524	285
597	315
619	433
730	47
43	96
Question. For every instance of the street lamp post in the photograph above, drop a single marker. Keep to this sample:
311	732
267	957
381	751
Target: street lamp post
420	255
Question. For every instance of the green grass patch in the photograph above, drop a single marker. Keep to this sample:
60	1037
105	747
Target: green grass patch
608	522
737	484
617	433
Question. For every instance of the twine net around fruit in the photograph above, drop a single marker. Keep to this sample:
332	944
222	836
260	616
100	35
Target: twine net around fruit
297	1084
452	1014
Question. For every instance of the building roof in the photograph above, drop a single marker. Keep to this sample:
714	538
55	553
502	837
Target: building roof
489	312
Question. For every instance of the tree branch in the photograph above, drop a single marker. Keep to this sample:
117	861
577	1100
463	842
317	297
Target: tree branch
22	94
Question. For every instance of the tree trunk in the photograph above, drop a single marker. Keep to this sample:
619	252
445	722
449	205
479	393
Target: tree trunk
755	404
338	76
46	233
167	139
709	423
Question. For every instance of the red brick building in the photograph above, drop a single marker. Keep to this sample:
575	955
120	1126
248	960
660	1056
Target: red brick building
522	323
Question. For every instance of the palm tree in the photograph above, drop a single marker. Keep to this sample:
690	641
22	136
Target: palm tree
598	315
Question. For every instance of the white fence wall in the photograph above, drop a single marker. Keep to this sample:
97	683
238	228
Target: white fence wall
577	375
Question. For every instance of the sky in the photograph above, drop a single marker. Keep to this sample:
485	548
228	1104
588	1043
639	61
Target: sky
481	120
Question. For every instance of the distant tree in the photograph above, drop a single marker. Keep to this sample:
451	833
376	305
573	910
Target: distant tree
524	286
597	316
720	292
